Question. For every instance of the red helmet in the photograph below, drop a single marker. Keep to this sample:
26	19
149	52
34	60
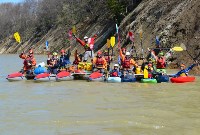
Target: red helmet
31	51
62	51
183	65
99	53
123	49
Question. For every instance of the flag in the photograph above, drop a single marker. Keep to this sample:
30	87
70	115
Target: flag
131	36
70	34
157	40
91	43
47	45
17	37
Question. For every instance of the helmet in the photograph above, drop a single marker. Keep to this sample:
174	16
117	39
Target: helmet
150	64
123	49
128	53
55	54
99	53
161	54
183	65
105	51
62	51
116	65
31	51
85	37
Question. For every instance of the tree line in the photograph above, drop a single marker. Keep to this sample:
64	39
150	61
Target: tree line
37	17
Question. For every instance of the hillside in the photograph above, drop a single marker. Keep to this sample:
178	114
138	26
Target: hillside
175	21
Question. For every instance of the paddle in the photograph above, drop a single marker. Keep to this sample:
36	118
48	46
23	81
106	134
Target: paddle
176	48
141	43
112	43
184	48
108	45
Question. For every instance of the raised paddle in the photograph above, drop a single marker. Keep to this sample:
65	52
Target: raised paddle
184	48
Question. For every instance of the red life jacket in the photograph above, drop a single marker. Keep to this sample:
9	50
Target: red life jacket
114	74
76	62
99	62
126	63
161	64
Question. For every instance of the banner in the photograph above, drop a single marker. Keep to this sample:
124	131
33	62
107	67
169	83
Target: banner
91	43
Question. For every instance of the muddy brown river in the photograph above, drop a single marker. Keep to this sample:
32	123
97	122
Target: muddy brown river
95	108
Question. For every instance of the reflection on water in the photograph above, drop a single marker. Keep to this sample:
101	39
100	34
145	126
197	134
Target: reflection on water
92	108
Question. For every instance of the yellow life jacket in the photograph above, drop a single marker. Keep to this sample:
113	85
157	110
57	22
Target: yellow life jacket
138	70
183	75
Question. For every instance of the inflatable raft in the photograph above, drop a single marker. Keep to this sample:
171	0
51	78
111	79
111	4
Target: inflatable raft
148	80
64	76
182	79
128	78
17	76
96	77
42	77
114	79
162	78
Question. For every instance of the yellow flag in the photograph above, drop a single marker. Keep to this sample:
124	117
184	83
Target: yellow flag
17	37
108	43
112	41
74	29
145	72
141	36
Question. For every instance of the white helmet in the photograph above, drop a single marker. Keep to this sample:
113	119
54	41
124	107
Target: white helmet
116	65
85	37
128	53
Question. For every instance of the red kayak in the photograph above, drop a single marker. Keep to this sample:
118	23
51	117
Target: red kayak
17	76
64	76
182	79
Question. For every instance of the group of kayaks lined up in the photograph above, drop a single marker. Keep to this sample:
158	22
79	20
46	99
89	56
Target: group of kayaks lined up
126	69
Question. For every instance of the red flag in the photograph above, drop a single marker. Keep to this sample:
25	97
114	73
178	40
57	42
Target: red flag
131	36
70	34
91	42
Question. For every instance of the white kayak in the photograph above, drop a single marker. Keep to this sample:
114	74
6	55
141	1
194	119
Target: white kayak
114	79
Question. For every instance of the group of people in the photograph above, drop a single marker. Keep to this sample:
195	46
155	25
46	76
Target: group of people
156	61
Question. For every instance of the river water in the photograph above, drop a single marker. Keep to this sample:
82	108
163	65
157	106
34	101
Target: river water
94	108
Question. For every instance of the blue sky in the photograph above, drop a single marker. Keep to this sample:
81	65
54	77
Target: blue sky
14	1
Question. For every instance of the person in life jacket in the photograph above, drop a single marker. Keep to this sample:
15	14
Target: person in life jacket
29	62
99	62
88	50
53	63
160	62
150	70
77	58
115	72
137	69
64	58
184	71
127	62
